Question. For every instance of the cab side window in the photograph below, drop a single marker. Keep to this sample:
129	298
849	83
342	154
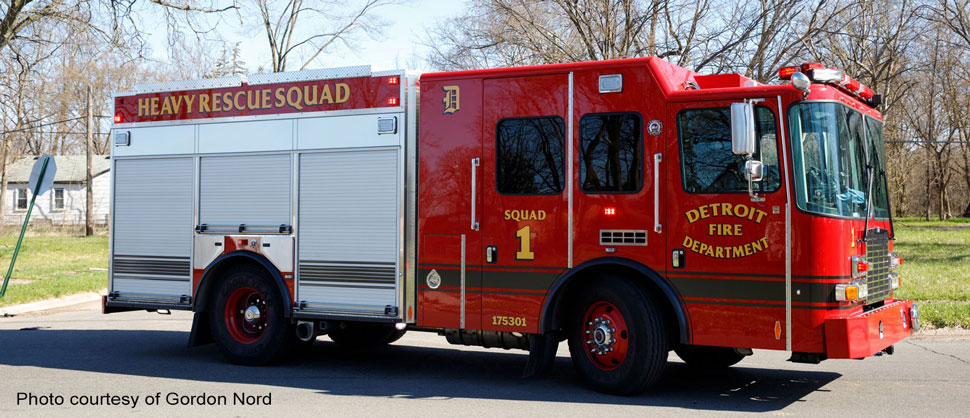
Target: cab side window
707	163
529	156
610	153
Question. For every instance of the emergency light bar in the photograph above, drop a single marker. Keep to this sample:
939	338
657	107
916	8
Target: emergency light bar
818	73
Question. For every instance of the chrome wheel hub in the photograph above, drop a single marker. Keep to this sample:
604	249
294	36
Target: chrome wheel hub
252	314
600	335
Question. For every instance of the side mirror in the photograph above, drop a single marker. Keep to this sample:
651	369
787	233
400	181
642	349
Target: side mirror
742	128
754	170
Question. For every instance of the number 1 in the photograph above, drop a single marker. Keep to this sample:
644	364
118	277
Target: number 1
524	252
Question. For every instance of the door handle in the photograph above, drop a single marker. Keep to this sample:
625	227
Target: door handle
491	254
475	163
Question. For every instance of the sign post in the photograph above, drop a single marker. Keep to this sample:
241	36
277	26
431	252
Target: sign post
41	180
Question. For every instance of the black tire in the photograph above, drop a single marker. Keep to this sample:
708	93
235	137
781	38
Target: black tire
638	355
361	335
708	358
263	340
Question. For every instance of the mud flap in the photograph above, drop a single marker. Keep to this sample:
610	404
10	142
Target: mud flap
542	354
200	334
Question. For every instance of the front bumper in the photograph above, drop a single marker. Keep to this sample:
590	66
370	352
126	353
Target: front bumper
868	333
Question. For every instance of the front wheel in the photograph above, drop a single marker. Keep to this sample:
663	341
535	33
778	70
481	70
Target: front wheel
617	338
247	318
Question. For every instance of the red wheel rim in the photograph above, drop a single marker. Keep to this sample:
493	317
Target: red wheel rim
246	315
605	335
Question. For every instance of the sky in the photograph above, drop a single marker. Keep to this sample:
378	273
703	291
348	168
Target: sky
395	49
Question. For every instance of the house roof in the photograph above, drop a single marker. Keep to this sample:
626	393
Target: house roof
70	168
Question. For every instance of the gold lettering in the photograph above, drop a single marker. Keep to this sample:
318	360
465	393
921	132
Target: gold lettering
326	96
738	213
280	97
720	252
343	92
756	246
167	105
217	102
726	209
542	215
310	100
154	109
688	242
189	101
692	216
235	101
143	107
295	103
227	101
204	103
761	215
265	98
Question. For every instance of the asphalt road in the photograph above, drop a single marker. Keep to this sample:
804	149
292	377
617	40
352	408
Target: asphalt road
78	355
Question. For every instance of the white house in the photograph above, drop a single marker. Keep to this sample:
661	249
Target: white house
64	204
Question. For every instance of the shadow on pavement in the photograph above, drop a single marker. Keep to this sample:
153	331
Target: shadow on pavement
398	371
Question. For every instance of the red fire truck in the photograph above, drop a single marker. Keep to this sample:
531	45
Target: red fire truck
627	207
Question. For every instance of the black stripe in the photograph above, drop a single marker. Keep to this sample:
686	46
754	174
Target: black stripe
486	292
780	276
490	266
767	305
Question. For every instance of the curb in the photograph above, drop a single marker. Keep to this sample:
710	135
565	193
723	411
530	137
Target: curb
48	304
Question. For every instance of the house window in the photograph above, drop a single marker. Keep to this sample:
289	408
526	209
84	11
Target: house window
530	156
610	153
22	199
59	198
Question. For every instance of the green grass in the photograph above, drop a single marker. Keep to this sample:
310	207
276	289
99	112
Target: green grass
936	271
54	266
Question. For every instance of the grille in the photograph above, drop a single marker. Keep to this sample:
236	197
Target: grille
623	237
877	254
348	274
152	267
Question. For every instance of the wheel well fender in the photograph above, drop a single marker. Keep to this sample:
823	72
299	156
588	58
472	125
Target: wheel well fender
210	278
563	289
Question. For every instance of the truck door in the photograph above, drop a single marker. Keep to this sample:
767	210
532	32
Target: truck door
524	199
727	256
151	235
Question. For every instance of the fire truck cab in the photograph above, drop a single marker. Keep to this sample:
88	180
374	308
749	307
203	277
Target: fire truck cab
627	207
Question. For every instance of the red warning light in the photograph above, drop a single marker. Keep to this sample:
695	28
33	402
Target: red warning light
118	118
785	73
393	81
392	101
609	211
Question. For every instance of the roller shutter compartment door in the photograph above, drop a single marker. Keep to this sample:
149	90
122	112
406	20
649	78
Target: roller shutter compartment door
349	231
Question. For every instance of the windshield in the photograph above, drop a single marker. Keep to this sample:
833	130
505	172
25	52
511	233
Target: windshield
830	143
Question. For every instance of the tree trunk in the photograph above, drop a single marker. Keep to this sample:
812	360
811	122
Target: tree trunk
928	185
3	182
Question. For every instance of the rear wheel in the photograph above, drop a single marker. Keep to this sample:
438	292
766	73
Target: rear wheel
247	318
617	338
707	358
362	335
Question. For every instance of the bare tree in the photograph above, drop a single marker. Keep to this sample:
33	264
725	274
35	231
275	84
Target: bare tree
284	24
